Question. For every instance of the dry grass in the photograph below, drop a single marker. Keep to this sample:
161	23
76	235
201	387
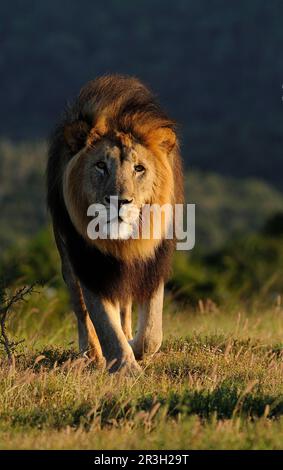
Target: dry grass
216	384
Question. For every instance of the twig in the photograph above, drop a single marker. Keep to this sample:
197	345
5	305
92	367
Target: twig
5	307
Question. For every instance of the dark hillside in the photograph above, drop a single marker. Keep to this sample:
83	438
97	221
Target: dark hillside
216	65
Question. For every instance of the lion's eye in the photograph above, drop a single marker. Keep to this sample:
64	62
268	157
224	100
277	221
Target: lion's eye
139	168
101	166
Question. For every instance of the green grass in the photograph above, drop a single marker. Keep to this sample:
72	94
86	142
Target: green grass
217	383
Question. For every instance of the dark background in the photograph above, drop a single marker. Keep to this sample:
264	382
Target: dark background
216	66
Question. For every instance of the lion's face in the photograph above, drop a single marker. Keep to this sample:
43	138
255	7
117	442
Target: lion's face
127	173
132	173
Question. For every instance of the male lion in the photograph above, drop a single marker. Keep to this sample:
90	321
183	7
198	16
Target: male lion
113	141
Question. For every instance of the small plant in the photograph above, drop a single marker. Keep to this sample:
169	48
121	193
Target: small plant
6	305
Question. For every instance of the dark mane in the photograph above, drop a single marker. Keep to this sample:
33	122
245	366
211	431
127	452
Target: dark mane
112	278
124	101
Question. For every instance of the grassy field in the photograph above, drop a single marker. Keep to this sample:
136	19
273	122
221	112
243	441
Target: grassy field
216	384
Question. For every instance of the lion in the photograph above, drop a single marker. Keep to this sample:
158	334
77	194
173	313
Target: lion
114	140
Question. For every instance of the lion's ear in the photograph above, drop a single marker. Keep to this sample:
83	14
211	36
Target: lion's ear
165	137
76	135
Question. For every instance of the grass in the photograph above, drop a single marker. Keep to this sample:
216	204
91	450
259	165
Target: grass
216	384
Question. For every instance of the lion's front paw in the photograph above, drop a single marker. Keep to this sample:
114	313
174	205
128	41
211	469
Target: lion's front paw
125	366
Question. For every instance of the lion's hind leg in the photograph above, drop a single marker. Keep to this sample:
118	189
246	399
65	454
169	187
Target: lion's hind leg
148	338
126	319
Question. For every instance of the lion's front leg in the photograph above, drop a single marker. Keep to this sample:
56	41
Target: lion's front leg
105	316
148	338
88	341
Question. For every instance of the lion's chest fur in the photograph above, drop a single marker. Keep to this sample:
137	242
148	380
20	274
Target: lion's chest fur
114	279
